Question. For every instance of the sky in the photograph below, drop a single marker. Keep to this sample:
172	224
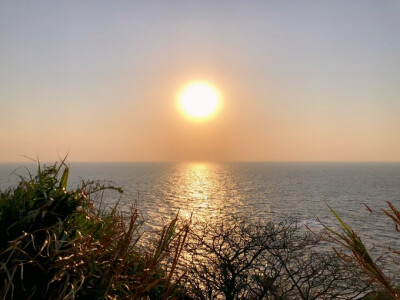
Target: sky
299	80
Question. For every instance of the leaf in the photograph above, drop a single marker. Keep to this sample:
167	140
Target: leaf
344	225
64	179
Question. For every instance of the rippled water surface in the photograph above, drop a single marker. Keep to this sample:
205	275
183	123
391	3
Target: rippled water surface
266	191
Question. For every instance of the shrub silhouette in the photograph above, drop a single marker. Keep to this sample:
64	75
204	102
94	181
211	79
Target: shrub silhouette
240	259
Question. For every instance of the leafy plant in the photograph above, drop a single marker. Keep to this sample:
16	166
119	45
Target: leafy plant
64	244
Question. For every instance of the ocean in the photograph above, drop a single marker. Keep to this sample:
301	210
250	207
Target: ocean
259	191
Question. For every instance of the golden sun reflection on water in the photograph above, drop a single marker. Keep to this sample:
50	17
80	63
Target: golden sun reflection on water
205	191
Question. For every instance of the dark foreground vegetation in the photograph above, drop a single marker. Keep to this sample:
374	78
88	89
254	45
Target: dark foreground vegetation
57	243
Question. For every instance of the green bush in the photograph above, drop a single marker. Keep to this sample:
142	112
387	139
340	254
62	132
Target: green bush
62	244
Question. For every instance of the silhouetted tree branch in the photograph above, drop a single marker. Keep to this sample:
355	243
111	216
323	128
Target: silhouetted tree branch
238	259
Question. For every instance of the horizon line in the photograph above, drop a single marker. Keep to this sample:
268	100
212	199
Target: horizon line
206	161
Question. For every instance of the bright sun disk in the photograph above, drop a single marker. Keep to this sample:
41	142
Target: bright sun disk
199	100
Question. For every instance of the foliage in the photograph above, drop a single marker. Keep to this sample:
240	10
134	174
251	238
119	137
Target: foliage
244	260
61	244
348	239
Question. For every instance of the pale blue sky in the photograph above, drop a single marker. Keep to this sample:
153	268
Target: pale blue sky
301	80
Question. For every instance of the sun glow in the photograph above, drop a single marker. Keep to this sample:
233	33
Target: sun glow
199	100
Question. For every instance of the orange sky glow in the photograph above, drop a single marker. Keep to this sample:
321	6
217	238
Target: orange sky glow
299	82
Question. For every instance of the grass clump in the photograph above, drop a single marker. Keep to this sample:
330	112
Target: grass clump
62	244
352	249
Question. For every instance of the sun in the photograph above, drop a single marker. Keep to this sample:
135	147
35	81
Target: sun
199	100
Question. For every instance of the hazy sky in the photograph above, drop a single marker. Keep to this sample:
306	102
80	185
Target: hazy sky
301	80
